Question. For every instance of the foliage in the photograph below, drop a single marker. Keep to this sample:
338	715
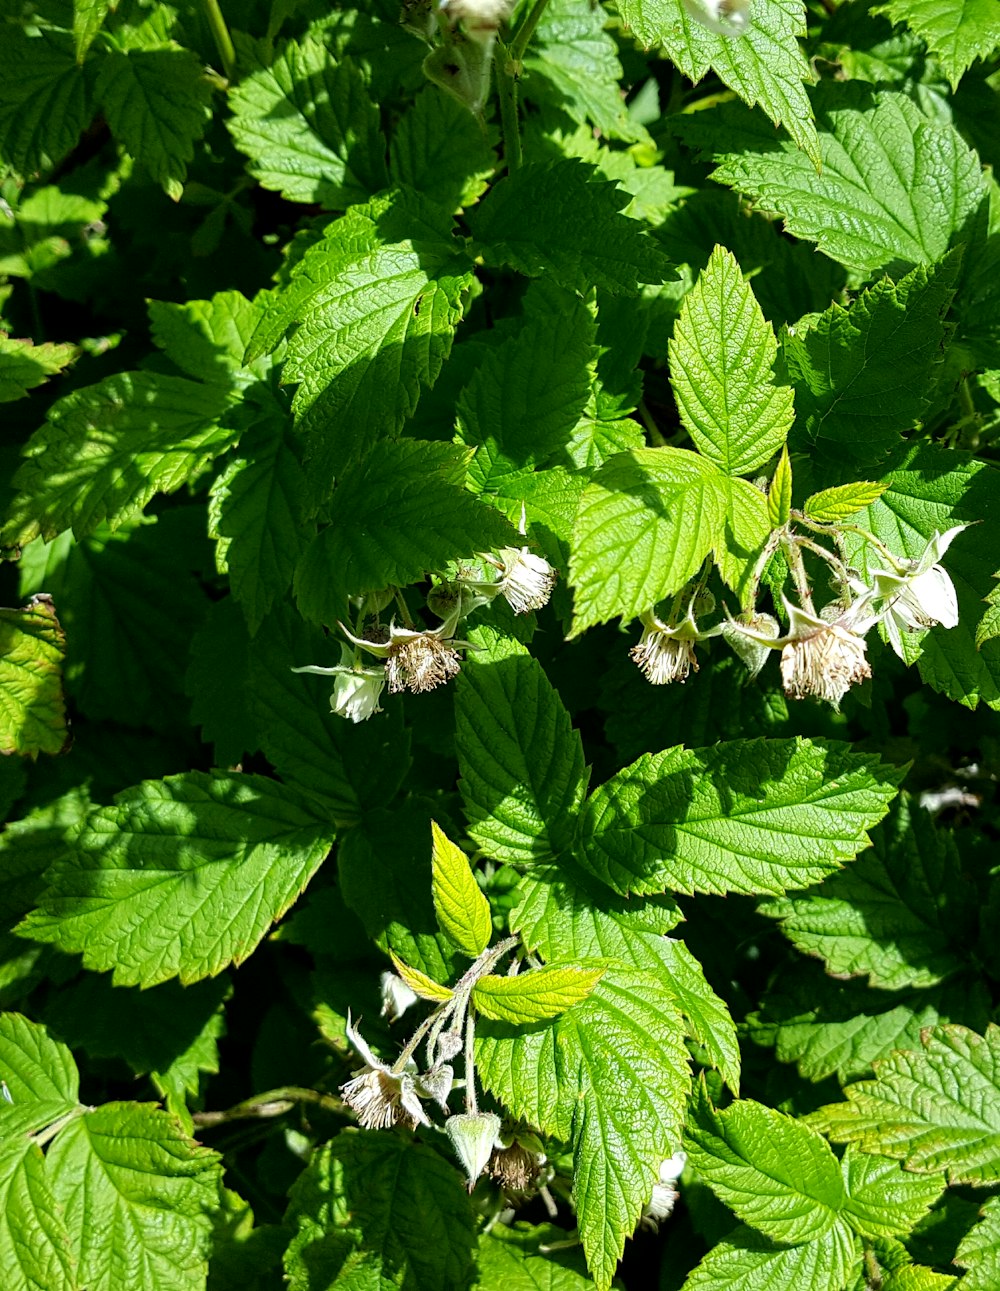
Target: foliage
499	688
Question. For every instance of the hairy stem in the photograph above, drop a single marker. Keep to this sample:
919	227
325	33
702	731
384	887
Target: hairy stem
507	94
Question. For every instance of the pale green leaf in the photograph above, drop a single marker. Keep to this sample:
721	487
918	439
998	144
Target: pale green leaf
35	1067
535	995
611	1075
935	1109
645	524
879	197
957	31
181	877
156	103
441	150
420	983
779	495
521	761
462	910
45	99
839	503
131	1184
108	448
24	366
88	18
979	1251
779	1176
397	1206
748	527
309	127
764	65
747	1261
34	1242
584	240
883	1199
902	913
32	707
722	371
744	816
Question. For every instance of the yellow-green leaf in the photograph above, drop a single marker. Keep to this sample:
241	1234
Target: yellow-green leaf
832	505
462	911
536	995
779	498
420	983
32	708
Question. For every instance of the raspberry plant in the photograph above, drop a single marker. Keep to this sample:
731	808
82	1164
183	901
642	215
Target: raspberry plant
499	690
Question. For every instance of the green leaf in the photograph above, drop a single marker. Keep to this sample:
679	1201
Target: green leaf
571	66
645	524
832	505
30	845
748	527
746	1261
989	624
108	448
745	816
521	761
181	877
24	366
309	127
902	913
45	99
32	708
397	1206
764	66
956	31
441	150
258	506
722	371
611	1076
864	375
884	1199
564	221
462	910
779	1176
88	18
536	995
33	1235
934	1110
208	338
377	301
128	1170
35	1067
779	495
397	514
979	1251
876	199
521	1258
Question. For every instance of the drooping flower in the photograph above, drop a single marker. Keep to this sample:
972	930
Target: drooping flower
379	1095
665	1195
527	580
821	657
480	18
517	1161
357	689
415	659
666	653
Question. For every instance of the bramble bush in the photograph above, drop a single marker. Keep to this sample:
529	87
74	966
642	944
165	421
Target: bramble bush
499	690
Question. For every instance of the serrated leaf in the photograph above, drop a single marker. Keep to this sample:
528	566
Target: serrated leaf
644	526
521	761
259	504
722	371
398	513
32	707
419	982
564	221
398	1206
108	448
902	913
128	1169
989	624
88	18
441	150
520	1257
779	495
309	127
462	910
156	103
957	31
536	995
832	505
33	1236
35	1067
979	1251
748	527
45	99
208	338
937	1109
778	1176
181	877
377	301
744	816
876	200
882	1198
764	66
23	366
611	1076
747	1261
864	375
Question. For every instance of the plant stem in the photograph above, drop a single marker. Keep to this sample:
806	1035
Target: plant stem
221	36
273	1103
507	94
526	31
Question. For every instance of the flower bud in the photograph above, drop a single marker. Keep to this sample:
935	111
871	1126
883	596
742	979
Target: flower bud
473	1136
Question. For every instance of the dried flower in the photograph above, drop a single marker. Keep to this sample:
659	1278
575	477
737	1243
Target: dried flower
821	657
380	1096
416	660
666	653
517	1161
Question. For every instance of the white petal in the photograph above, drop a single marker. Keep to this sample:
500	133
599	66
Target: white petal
355	1038
938	545
934	592
895	634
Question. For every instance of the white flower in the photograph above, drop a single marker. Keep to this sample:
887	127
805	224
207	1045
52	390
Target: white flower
724	17
379	1095
666	653
396	996
416	660
480	18
918	593
473	1136
821	657
665	1195
527	580
357	690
